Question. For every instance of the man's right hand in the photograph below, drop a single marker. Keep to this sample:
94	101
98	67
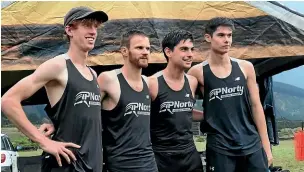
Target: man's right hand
47	129
59	148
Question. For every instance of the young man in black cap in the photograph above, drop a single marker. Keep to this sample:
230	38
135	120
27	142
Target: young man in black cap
126	109
234	120
74	100
172	92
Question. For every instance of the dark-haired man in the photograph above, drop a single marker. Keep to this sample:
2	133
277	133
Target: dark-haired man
172	92
234	120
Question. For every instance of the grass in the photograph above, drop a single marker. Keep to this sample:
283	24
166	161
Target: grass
30	153
284	154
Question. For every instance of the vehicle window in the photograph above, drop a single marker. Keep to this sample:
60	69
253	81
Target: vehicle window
3	144
10	145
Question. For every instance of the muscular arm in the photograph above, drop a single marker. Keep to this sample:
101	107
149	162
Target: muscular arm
197	73
197	115
109	89
11	106
153	86
11	100
257	110
103	82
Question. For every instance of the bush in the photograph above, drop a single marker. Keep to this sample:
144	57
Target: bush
25	143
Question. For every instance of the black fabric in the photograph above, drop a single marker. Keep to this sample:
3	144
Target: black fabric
254	162
47	168
266	96
228	118
29	164
77	119
171	118
179	161
127	143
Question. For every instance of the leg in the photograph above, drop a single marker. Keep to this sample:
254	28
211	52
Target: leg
217	162
193	162
164	162
257	162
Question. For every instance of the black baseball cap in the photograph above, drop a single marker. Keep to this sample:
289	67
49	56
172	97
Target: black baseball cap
82	13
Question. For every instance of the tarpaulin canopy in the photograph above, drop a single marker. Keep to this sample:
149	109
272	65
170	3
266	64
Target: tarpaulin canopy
268	34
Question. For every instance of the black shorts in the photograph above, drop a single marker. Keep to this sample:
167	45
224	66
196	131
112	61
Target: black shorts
255	162
179	161
49	164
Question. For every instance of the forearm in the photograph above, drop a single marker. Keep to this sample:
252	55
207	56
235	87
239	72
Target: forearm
14	112
197	115
259	119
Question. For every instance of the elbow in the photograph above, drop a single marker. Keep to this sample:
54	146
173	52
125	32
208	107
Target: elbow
6	104
5	101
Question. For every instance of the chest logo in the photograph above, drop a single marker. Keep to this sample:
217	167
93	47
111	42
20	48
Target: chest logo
225	92
176	106
87	98
137	109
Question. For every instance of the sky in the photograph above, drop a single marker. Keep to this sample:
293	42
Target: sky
295	76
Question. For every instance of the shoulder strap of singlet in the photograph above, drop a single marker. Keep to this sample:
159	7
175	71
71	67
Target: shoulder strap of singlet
235	59
145	79
187	83
91	70
204	63
118	71
158	74
66	56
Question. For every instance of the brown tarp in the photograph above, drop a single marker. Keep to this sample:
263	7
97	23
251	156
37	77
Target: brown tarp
32	32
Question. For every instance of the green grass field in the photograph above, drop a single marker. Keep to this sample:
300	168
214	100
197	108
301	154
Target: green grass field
284	154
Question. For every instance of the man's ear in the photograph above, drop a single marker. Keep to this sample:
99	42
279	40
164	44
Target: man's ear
68	31
207	37
124	51
168	52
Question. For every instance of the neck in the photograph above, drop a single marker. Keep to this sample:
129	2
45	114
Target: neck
77	56
219	59
131	72
173	72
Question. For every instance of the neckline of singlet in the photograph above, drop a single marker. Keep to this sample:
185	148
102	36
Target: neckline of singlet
118	71
161	74
68	58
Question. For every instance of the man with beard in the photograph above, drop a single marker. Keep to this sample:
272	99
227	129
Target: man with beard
172	92
70	85
234	120
126	109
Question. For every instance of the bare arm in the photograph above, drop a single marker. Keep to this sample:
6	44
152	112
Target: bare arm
11	106
197	115
257	110
109	89
197	72
11	100
104	83
153	87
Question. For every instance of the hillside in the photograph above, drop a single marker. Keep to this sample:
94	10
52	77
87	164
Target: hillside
289	101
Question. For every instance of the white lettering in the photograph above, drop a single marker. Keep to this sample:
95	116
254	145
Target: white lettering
225	92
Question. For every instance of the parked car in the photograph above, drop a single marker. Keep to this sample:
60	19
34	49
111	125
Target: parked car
8	155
